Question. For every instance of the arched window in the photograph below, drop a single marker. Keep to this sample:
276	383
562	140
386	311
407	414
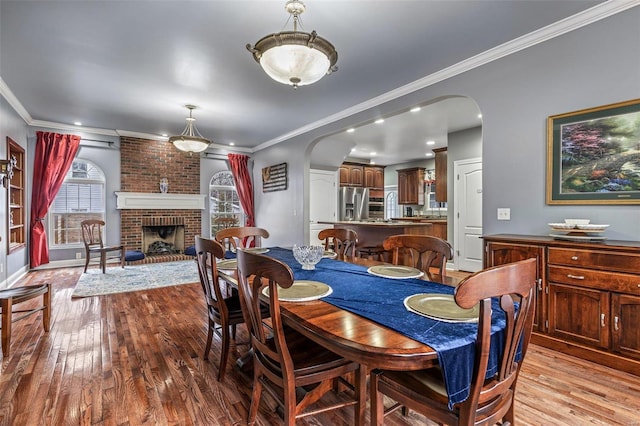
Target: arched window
224	205
391	207
81	197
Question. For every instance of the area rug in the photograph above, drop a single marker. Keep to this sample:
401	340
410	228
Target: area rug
135	278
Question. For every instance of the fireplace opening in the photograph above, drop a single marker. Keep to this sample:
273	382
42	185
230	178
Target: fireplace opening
162	236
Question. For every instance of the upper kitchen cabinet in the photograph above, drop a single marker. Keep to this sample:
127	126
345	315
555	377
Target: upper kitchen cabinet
351	174
374	177
441	174
411	186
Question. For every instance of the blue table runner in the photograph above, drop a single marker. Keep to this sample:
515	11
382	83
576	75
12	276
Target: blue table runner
382	300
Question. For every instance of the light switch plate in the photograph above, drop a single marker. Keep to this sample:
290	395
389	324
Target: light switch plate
504	214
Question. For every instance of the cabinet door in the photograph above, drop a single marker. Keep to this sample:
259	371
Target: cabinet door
369	177
378	178
345	174
441	174
356	176
402	188
625	310
579	314
501	253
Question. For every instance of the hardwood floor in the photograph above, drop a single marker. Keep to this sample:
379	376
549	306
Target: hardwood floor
136	358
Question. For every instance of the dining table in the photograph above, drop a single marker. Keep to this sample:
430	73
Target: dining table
366	319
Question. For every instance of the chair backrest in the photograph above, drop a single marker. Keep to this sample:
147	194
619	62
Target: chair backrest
425	252
207	251
225	222
241	237
514	284
255	272
343	241
92	233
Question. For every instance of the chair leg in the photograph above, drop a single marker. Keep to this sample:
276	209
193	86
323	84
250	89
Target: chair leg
207	348
103	261
361	395
7	307
46	313
255	396
122	257
224	352
86	262
377	406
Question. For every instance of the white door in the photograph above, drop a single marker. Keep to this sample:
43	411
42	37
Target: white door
323	201
468	215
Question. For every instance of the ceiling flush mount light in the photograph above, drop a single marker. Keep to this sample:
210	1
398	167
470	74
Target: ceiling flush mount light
295	57
190	140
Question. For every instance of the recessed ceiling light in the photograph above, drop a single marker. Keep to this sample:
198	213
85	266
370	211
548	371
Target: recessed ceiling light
415	109
164	135
379	120
431	142
372	162
479	115
232	143
353	149
351	130
428	154
374	153
77	123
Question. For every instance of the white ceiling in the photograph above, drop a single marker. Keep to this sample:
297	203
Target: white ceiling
129	67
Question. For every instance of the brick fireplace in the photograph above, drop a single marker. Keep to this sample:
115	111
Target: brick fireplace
143	163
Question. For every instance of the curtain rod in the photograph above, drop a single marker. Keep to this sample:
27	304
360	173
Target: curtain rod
110	143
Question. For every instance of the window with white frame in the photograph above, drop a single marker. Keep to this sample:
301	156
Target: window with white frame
81	197
391	206
224	204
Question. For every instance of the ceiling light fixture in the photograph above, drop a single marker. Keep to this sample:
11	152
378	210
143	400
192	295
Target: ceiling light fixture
379	121
295	57
415	109
351	130
190	140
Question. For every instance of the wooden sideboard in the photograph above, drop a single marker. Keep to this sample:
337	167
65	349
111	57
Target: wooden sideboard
588	295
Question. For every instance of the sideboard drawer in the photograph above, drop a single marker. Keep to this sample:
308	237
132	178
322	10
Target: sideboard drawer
610	261
611	281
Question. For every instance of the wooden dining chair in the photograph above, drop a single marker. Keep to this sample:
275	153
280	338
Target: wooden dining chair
92	238
424	252
491	398
341	240
284	361
241	237
225	311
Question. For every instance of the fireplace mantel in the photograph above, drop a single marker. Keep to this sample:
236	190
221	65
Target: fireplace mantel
158	201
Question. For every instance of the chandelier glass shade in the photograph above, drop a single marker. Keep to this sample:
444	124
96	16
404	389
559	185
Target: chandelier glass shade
295	57
190	140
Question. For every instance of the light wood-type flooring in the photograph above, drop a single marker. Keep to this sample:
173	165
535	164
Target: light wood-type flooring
136	358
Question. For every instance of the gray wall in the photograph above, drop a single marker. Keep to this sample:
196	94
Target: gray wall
11	125
594	65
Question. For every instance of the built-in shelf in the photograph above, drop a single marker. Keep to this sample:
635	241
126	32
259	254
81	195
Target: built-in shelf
159	201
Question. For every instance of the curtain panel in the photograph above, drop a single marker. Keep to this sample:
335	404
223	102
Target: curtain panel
53	158
242	177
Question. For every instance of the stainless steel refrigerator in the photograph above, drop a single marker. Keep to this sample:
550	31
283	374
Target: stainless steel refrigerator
353	203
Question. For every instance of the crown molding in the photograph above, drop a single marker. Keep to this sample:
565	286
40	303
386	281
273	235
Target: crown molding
571	23
14	102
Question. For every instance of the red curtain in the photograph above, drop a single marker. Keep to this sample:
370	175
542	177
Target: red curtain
53	158
244	187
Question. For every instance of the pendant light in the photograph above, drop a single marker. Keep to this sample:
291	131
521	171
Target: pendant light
190	140
295	57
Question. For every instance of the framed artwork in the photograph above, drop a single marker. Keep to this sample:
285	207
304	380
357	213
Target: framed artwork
593	155
274	178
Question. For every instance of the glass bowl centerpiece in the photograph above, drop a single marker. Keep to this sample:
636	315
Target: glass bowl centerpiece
308	256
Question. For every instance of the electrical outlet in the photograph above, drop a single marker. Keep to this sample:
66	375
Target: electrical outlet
78	255
504	214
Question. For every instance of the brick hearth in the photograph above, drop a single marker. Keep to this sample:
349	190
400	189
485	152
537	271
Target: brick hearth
142	164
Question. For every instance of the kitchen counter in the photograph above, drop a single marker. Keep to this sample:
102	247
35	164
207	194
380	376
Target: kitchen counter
372	233
424	219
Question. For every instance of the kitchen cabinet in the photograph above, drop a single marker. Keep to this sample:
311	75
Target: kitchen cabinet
16	197
411	186
374	177
588	295
351	174
441	174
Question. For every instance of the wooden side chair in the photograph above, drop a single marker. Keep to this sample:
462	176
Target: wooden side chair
13	296
342	241
225	311
92	237
283	360
241	237
425	252
490	399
